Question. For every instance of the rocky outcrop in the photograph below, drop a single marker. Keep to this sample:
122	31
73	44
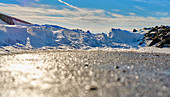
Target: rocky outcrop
11	20
158	36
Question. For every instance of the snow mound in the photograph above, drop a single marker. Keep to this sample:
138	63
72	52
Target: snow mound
46	37
49	35
124	37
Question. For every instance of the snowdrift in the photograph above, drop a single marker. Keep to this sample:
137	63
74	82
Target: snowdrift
17	35
37	36
19	38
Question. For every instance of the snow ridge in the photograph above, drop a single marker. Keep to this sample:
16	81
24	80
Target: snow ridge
29	37
50	35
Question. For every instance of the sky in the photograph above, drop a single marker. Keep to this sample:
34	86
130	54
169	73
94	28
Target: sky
93	15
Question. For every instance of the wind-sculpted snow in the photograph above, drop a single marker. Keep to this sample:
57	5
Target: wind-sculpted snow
18	38
48	35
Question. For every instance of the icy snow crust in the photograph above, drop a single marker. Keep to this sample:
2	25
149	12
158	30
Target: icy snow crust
18	38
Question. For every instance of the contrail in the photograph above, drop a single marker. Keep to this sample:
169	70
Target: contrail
79	9
69	5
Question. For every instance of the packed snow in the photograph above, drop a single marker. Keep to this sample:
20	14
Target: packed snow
22	38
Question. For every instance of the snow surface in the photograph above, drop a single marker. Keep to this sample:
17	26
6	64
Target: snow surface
2	22
22	38
19	23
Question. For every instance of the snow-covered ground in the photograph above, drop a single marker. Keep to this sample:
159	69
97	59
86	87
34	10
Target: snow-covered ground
18	38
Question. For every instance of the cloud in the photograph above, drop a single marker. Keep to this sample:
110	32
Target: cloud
82	11
95	20
115	15
132	14
162	13
138	7
144	1
116	10
157	2
37	0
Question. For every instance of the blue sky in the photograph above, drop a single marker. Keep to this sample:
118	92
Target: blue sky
94	15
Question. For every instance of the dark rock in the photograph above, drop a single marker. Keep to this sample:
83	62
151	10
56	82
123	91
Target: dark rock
134	30
156	40
91	88
116	67
159	36
38	67
124	71
118	79
157	55
86	65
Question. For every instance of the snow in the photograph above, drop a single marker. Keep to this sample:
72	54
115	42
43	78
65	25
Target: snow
28	38
2	22
19	23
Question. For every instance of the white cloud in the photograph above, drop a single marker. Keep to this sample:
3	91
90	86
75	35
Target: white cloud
144	1
132	14
94	20
115	15
37	0
116	10
138	7
157	2
162	13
